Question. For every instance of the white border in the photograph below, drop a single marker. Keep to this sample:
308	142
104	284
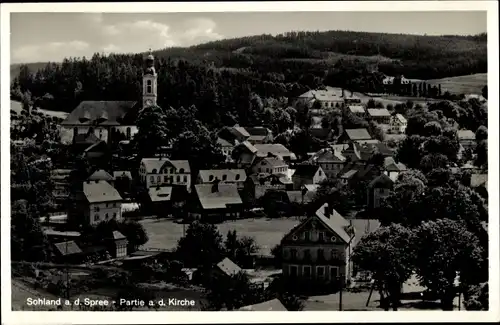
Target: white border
10	317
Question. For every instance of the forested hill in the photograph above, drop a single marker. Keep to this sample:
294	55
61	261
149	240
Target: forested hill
226	75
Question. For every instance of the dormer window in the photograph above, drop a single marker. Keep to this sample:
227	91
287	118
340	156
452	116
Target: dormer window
224	177
154	171
181	171
237	177
211	178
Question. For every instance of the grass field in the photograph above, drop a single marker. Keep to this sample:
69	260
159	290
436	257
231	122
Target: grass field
165	233
469	84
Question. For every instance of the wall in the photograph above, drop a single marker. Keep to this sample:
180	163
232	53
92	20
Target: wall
332	169
110	208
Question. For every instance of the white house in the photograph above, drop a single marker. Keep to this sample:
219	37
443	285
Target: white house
271	166
162	171
102	202
398	124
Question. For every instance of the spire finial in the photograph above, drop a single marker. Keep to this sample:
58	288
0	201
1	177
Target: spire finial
150	51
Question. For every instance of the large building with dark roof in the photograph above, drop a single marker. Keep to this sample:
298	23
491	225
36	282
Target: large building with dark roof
107	120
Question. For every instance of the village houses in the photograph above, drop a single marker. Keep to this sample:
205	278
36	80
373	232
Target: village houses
163	171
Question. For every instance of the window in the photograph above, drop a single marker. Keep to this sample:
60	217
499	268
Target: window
307	236
178	178
100	133
158	178
307	271
237	177
107	216
129	133
293	253
321	236
307	254
154	171
320	271
181	171
267	170
96	217
293	270
334	254
152	179
149	88
334	273
319	173
321	253
185	179
211	178
260	170
165	179
75	131
96	209
224	177
114	215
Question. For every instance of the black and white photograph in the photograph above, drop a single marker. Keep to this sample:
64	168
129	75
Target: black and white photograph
250	160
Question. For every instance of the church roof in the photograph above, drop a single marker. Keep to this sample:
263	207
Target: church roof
108	113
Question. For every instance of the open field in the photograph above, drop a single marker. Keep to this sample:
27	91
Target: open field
18	107
469	84
268	233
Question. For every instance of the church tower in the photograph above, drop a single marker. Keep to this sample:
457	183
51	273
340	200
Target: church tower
149	82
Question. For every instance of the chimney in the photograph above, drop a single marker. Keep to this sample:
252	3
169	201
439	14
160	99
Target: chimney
215	185
326	210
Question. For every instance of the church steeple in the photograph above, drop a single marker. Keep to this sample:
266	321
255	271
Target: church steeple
149	82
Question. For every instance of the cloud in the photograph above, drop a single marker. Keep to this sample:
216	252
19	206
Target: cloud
92	17
53	51
200	30
111	48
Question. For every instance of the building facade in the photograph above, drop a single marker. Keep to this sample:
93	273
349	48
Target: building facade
162	171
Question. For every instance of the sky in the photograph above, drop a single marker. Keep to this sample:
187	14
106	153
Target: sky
41	37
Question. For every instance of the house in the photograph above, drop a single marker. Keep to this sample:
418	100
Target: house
225	176
276	150
215	201
379	115
226	148
244	154
240	133
377	189
67	251
162	171
466	138
271	165
307	174
270	305
393	169
119	244
259	135
227	268
160	198
100	202
319	249
327	98
110	120
351	135
357	110
348	176
398	124
258	184
331	161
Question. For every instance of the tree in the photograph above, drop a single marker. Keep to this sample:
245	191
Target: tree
445	249
433	161
230	292
410	151
135	233
201	246
153	132
388	254
477	297
482	154
432	128
481	133
484	91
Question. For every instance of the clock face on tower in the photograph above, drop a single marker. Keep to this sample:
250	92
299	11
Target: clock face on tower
149	102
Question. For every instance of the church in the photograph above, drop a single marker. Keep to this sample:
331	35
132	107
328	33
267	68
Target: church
94	121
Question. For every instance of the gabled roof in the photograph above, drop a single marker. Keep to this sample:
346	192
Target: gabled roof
102	113
390	165
240	131
400	118
357	108
118	235
228	267
273	162
160	194
226	194
376	112
349	174
382	181
100	191
335	221
274	148
363	227
100	175
68	248
466	135
312	187
224	143
296	196
232	175
122	173
160	162
305	171
358	134
86	138
479	180
270	305
249	146
330	156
